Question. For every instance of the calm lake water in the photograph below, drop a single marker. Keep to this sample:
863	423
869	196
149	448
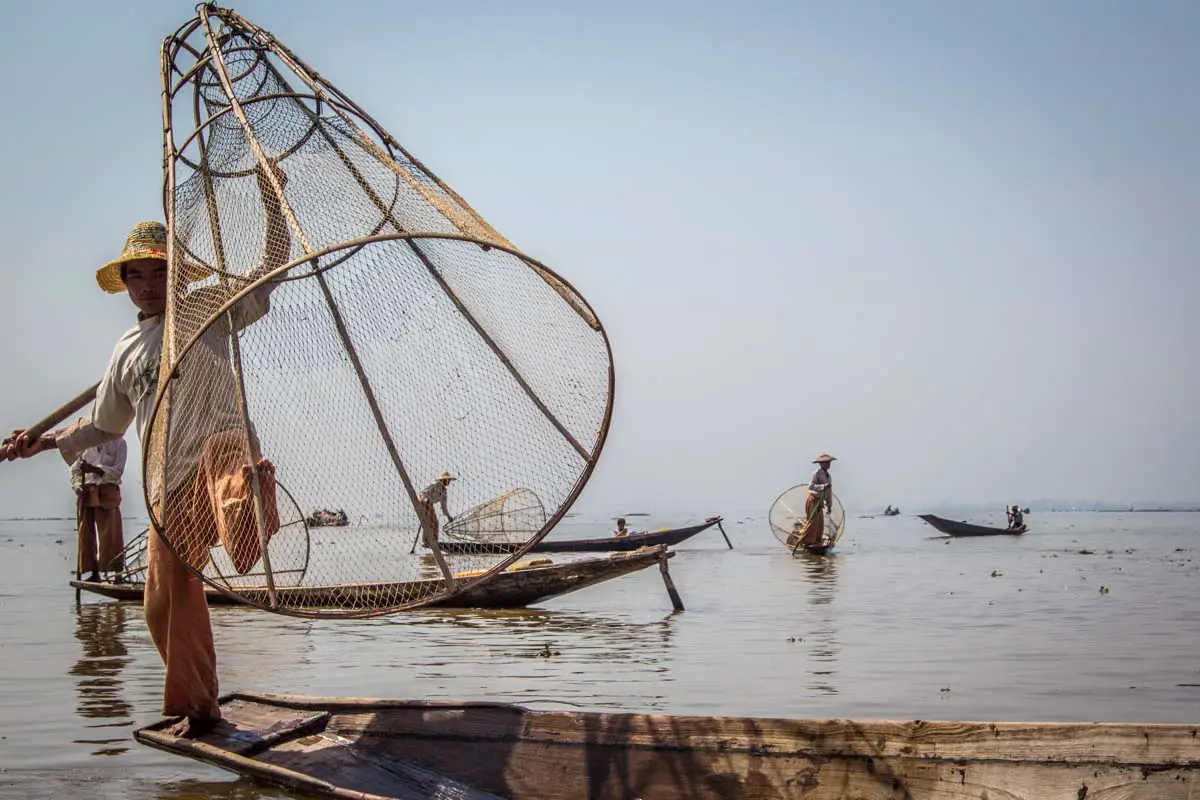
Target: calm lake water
899	623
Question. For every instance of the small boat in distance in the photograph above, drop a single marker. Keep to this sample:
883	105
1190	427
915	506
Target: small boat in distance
891	512
324	518
604	544
345	747
952	528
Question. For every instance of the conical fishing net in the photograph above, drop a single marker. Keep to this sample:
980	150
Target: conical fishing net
789	521
512	518
293	529
340	321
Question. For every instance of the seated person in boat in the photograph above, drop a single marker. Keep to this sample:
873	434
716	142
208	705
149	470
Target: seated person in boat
206	477
1016	520
820	494
436	493
621	530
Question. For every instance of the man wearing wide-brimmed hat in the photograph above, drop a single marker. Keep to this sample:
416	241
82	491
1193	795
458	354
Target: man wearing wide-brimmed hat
436	493
820	493
206	479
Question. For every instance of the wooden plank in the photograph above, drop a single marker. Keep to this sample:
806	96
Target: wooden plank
398	749
1085	743
522	769
247	727
351	776
342	763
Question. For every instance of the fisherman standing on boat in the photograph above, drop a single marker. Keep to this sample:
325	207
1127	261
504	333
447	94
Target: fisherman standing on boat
1016	519
820	493
436	493
208	481
96	479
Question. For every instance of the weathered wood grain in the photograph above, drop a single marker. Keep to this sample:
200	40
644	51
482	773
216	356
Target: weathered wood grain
400	749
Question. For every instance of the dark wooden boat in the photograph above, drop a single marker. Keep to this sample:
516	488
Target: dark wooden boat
952	528
404	750
514	588
327	522
669	536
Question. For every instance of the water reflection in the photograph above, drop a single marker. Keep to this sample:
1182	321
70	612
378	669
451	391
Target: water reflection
594	637
99	627
822	572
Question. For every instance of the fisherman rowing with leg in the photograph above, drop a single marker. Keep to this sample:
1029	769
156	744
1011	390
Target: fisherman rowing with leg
208	482
819	501
96	479
436	493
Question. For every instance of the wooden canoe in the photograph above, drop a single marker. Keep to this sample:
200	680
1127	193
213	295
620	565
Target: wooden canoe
404	750
952	528
667	536
513	588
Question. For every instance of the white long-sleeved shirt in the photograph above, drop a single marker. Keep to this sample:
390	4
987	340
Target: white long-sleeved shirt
203	396
436	493
108	456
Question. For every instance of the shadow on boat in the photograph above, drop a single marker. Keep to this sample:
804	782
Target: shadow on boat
614	755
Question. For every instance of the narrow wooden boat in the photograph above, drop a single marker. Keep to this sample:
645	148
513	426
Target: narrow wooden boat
403	750
515	588
952	528
667	536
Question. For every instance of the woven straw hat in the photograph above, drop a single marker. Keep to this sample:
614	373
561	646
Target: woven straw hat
146	240
446	476
824	457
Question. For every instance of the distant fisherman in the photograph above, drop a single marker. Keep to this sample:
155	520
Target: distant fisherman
96	479
436	493
1016	520
820	493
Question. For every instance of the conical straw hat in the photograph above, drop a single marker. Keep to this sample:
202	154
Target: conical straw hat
146	240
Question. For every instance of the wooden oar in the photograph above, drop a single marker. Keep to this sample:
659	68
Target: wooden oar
59	414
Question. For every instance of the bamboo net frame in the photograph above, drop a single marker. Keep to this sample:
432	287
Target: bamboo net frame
360	329
789	522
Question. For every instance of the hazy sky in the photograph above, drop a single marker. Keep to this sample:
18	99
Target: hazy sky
953	244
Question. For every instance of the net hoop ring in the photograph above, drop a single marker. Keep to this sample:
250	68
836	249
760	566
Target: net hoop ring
577	302
828	543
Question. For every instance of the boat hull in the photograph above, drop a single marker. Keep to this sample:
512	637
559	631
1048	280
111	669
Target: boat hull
403	750
509	589
607	544
952	528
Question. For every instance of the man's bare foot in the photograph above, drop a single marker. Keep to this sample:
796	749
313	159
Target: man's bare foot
192	727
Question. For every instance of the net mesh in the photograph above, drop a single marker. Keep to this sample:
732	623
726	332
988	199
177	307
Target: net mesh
511	518
789	522
341	321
